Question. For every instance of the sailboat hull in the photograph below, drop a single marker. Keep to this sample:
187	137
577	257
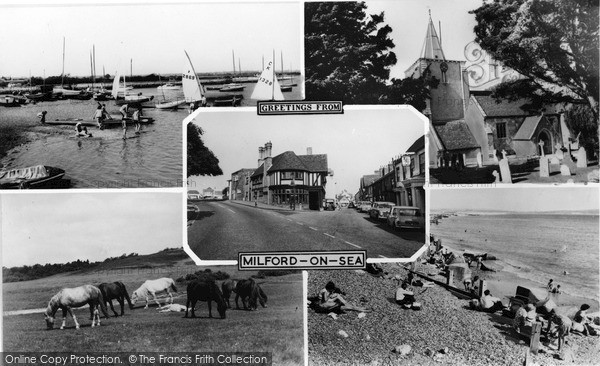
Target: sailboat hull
170	105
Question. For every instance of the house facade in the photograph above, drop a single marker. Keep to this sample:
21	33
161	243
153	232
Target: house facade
289	178
239	185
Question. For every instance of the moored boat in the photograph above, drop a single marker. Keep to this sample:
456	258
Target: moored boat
168	86
92	123
232	87
30	177
170	105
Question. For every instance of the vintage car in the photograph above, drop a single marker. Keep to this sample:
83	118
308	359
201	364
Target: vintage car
406	217
364	206
380	210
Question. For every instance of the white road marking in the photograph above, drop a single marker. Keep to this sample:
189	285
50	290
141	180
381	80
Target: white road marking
331	236
231	210
382	256
289	220
312	228
354	245
299	223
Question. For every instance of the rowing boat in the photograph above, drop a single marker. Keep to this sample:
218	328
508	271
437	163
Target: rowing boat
30	177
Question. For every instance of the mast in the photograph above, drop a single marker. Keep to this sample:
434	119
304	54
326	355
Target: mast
131	68
94	64
233	59
239	66
92	69
273	86
62	75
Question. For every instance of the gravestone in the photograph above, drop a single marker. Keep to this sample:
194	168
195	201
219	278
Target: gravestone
541	144
544	167
503	154
559	154
564	170
505	171
496	176
581	158
568	161
554	160
479	160
495	156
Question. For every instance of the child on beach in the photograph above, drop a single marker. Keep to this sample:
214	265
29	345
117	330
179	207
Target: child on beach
330	299
563	325
99	116
81	130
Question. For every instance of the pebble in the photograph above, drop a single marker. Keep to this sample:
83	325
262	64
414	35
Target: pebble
342	334
403	349
361	315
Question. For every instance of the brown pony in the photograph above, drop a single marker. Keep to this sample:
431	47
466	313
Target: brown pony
115	290
205	291
228	287
250	293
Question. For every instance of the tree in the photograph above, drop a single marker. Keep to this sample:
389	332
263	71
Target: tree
553	44
347	53
200	159
412	91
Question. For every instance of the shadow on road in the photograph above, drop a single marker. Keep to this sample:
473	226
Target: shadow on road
200	215
406	234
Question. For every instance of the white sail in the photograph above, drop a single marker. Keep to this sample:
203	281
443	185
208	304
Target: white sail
192	89
116	85
267	87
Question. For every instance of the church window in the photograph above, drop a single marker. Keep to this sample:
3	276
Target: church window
501	130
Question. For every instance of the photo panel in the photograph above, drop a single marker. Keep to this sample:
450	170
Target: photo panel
125	249
306	183
102	108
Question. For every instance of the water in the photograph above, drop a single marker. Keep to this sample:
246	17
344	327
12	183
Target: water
534	247
295	94
152	160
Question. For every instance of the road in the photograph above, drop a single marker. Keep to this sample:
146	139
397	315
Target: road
222	229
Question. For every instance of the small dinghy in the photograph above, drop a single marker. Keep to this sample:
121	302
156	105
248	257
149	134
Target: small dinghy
31	177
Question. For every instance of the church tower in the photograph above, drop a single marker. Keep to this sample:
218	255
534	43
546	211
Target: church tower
448	100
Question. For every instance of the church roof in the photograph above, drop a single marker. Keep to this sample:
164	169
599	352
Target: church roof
456	135
528	128
505	108
432	46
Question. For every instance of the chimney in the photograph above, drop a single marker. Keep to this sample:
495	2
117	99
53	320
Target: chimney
309	151
261	155
268	147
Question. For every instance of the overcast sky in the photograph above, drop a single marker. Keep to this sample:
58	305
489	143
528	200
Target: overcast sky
357	142
153	34
516	199
63	227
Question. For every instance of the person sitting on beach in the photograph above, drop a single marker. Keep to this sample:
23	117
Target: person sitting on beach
467	283
81	131
475	286
525	317
550	285
490	304
563	324
556	290
404	295
330	299
99	116
582	323
123	110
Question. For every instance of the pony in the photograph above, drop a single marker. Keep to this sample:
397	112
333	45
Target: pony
205	291
68	298
172	308
251	291
115	290
228	287
151	287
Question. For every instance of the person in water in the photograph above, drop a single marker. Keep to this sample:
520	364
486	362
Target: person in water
136	118
81	130
42	116
123	110
99	117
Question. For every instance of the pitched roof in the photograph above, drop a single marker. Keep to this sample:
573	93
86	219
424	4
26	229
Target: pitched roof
419	144
456	135
367	180
290	161
528	127
503	109
258	171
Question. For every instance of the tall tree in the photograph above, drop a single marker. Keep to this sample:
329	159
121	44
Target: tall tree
347	52
553	44
200	159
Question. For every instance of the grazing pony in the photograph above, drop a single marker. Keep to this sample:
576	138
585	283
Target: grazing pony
250	292
228	287
205	291
115	290
151	287
68	298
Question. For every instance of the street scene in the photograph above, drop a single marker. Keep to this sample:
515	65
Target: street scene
317	183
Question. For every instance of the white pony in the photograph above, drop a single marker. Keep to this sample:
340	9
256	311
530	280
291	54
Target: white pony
172	308
76	297
151	287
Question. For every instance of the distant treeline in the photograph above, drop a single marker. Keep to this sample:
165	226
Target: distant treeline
27	273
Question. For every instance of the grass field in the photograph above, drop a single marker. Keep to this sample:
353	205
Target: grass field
277	328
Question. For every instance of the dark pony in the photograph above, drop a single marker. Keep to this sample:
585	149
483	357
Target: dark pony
115	290
250	293
205	291
228	287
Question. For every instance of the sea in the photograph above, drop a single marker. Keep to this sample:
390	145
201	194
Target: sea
155	159
537	247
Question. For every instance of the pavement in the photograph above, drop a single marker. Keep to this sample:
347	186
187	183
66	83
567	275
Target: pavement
264	206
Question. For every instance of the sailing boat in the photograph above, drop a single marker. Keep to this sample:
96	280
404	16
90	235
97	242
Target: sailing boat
192	89
133	100
231	87
62	91
284	87
267	87
165	104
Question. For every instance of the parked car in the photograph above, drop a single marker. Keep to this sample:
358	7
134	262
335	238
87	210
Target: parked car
406	217
380	210
329	204
351	204
365	206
